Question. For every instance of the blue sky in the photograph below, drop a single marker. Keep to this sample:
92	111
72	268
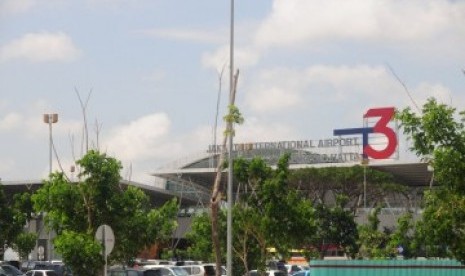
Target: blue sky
151	68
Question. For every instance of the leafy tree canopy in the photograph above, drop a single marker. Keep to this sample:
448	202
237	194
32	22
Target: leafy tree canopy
438	137
75	210
12	221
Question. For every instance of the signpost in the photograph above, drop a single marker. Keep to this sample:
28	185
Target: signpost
106	237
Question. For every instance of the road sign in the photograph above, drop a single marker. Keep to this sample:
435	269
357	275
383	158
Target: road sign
105	235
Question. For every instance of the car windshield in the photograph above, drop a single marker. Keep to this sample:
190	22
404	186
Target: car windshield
179	271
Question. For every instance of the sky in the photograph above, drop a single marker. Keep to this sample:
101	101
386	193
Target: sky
151	72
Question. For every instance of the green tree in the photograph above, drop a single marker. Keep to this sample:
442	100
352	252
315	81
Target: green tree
372	241
335	226
267	214
24	243
402	237
438	137
11	223
245	249
75	210
80	251
277	216
318	183
199	237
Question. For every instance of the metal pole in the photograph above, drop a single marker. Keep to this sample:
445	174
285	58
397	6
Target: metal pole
50	119
50	143
104	251
365	187
49	241
230	156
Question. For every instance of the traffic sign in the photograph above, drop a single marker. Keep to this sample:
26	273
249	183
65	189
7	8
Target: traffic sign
105	235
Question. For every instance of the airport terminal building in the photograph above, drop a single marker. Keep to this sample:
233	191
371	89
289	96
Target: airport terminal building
190	179
375	146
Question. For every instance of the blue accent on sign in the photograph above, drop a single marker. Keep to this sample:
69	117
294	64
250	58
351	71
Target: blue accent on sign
351	131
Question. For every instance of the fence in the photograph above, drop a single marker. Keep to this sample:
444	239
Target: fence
387	268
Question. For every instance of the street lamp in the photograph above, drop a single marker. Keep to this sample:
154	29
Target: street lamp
50	119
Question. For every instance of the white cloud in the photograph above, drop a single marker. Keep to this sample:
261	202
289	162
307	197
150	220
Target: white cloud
10	121
282	89
255	129
147	143
16	6
40	47
191	35
300	21
143	138
438	91
414	29
243	57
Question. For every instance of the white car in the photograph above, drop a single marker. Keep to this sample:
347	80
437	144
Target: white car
41	273
268	273
202	270
168	270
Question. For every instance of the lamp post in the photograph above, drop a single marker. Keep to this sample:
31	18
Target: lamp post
50	119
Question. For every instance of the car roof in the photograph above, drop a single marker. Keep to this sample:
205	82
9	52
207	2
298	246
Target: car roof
156	266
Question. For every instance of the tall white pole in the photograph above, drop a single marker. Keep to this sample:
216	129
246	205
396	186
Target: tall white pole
50	119
49	242
50	145
230	156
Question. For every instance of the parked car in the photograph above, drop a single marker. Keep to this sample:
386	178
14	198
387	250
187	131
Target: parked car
186	262
170	270
2	272
302	273
14	263
35	265
277	265
134	272
142	262
41	272
292	268
268	273
12	270
202	270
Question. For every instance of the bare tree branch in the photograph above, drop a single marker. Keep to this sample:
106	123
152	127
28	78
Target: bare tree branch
84	114
403	85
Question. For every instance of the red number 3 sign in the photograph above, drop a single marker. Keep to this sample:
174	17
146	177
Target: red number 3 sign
385	114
